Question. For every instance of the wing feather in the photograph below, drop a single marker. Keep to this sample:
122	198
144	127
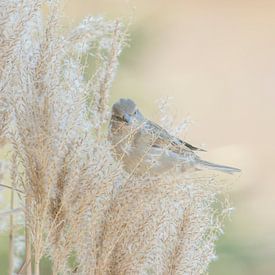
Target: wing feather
162	139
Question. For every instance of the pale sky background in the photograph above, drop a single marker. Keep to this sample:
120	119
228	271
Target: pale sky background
217	60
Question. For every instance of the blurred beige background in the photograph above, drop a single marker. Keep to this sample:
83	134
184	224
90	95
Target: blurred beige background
217	59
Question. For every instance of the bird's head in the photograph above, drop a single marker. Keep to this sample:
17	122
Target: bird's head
126	111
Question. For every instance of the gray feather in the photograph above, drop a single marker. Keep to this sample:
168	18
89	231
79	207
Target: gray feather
203	164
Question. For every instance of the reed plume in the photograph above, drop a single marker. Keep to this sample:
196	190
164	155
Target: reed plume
81	208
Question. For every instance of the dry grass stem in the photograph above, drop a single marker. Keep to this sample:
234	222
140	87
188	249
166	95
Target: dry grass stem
11	235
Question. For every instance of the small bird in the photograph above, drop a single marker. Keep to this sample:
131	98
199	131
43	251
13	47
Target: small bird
144	146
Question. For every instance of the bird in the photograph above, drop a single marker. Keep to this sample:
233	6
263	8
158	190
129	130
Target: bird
143	146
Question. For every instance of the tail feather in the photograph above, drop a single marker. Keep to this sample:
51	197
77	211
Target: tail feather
202	164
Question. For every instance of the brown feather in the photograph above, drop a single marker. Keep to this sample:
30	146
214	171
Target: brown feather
162	139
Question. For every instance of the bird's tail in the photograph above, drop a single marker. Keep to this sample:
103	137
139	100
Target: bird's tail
202	164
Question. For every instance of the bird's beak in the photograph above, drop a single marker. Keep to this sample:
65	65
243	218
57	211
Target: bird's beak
127	118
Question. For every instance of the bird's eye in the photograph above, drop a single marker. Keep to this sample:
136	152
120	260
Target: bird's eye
135	112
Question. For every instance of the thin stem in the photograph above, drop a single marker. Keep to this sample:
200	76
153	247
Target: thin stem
10	187
36	266
28	239
11	235
22	269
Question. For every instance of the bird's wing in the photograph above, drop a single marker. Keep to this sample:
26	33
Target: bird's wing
162	139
